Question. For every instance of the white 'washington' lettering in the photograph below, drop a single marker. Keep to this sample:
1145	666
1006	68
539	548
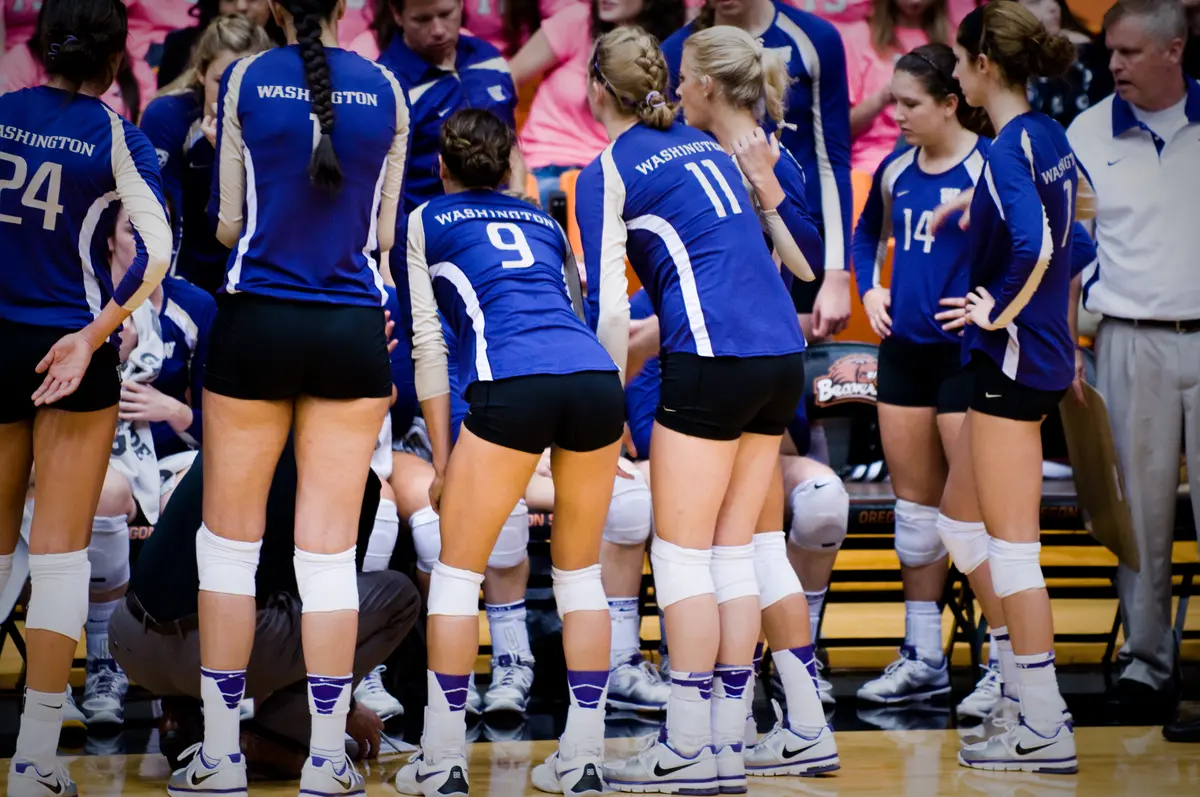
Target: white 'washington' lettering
10	133
477	214
304	95
671	153
1060	169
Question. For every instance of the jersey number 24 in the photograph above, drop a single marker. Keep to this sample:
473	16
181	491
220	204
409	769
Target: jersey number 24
48	177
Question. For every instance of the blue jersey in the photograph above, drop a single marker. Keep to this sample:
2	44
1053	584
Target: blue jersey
642	392
790	227
926	268
479	79
818	114
63	160
186	318
674	202
458	391
499	271
293	240
405	407
1020	251
172	123
1083	249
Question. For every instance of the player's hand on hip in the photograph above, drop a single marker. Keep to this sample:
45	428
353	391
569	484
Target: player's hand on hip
956	317
64	366
876	302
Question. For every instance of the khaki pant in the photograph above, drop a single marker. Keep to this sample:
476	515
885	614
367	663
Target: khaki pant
1150	380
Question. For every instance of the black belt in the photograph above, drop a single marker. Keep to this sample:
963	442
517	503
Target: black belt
1189	325
180	627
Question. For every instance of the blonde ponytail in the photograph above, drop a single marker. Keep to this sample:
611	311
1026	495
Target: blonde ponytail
627	61
749	75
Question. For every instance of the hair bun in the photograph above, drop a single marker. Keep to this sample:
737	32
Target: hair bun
1053	55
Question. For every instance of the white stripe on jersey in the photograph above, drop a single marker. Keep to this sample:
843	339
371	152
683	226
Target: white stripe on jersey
612	323
974	165
1012	353
831	202
430	373
991	184
687	278
890	175
91	286
235	273
146	213
493	64
1045	253
373	235
181	319
466	292
416	92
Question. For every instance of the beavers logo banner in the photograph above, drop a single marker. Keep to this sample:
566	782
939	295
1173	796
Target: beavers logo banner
850	378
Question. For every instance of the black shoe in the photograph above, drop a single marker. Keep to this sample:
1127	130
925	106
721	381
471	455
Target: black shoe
1185	727
1140	704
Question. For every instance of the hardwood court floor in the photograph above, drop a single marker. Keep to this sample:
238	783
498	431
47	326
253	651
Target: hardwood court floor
1114	762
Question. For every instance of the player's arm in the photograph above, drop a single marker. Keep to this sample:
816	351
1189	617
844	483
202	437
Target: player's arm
135	171
599	205
831	133
870	241
430	374
167	131
571	278
229	178
1011	182
791	227
393	179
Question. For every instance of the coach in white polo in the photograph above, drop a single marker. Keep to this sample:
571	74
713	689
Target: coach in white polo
1141	149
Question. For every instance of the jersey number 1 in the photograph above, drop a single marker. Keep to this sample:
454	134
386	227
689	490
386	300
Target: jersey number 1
734	207
48	176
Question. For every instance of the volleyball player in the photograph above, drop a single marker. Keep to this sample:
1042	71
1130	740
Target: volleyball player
671	198
306	194
173	124
924	392
1022	360
64	157
498	269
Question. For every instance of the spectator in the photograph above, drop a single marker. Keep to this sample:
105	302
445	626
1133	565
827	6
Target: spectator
177	48
1141	149
843	12
894	28
441	72
149	23
1089	80
186	156
508	24
357	21
560	133
156	638
817	132
18	18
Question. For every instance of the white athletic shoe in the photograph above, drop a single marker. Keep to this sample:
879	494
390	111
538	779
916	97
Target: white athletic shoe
26	779
1023	749
447	777
512	678
246	710
982	702
907	679
72	717
782	751
658	768
731	769
637	685
474	699
371	693
225	777
104	693
824	688
1005	716
579	776
320	777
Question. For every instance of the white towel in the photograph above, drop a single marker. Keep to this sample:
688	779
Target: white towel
133	454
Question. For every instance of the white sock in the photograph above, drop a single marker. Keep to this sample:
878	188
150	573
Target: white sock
510	636
1041	702
797	669
222	692
1010	676
382	541
815	601
445	713
730	684
329	703
993	651
41	724
923	631
584	732
96	627
689	718
626	630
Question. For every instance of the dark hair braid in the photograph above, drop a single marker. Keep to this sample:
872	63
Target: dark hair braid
324	168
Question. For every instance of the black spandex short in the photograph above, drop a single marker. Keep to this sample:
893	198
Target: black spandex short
996	394
720	398
923	375
23	346
265	349
584	411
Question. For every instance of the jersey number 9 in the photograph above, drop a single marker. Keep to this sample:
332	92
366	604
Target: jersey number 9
497	232
48	176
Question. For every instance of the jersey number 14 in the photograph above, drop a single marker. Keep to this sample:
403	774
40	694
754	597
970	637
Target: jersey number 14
47	177
922	232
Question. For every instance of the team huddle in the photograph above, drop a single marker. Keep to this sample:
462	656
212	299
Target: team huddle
528	367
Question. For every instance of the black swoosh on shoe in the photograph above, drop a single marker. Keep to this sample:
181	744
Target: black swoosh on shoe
659	772
788	755
1028	750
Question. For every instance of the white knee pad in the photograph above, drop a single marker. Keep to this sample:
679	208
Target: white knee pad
328	582
733	572
820	514
383	537
776	578
1016	566
454	592
512	546
108	553
966	542
427	538
630	512
579	590
226	566
680	573
58	600
917	540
